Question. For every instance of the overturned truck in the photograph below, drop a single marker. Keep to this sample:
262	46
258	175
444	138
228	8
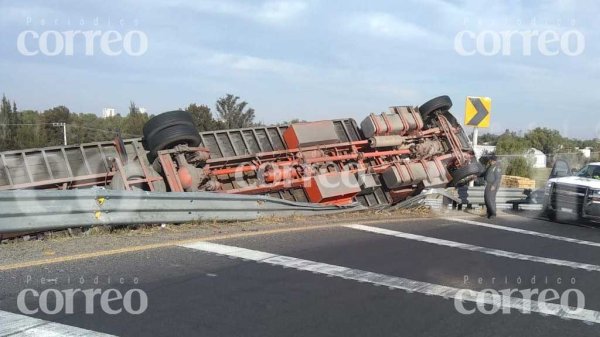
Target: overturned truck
386	159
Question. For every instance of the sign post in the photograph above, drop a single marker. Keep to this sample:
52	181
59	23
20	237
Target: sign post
64	126
477	115
477	111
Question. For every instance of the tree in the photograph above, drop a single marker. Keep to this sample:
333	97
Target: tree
59	114
488	138
10	125
514	148
234	115
203	118
546	140
510	143
134	122
291	121
33	133
5	121
519	166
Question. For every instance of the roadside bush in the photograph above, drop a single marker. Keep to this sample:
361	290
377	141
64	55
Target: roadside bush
518	166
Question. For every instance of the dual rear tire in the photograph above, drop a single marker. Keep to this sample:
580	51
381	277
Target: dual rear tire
168	130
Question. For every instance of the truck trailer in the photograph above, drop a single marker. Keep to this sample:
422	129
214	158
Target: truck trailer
387	158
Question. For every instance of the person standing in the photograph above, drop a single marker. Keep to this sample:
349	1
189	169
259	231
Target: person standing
493	176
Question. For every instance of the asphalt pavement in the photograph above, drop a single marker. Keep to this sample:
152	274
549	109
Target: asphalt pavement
393	278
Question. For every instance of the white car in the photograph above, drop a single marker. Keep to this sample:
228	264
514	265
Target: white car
576	194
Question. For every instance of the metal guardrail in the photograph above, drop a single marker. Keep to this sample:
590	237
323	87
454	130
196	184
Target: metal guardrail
438	199
23	211
515	198
432	197
32	211
474	195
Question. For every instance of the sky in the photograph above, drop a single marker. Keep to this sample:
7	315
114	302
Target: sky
309	59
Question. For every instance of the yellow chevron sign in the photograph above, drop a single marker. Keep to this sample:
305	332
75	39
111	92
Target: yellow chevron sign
478	111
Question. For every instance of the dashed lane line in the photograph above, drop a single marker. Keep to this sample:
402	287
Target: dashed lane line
133	249
393	282
524	231
15	325
479	249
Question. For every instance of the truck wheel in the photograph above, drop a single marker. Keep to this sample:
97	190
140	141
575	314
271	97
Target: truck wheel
466	173
169	129
170	137
443	103
166	120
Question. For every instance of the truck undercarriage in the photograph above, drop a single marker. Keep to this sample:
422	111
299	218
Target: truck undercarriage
387	159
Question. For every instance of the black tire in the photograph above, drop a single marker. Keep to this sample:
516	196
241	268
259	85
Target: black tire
166	120
169	129
427	109
170	137
459	176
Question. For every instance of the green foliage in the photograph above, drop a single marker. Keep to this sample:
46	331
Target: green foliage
234	114
511	143
203	118
51	118
291	121
518	166
488	138
134	123
8	118
546	140
594	144
32	133
32	129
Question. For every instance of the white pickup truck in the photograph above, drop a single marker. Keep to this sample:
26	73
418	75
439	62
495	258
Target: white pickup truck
573	194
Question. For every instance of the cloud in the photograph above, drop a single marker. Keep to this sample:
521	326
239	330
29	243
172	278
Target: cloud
386	25
270	12
324	57
256	64
400	93
23	15
280	11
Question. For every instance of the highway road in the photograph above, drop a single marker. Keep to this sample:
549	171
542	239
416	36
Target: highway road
393	278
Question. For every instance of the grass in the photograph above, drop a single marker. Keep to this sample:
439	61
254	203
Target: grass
540	175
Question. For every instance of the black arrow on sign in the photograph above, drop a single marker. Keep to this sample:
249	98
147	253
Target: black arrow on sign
482	112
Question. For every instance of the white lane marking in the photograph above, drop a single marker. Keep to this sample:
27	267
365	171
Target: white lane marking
393	282
20	325
524	231
479	249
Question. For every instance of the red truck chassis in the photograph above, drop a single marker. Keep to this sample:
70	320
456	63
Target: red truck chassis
389	158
